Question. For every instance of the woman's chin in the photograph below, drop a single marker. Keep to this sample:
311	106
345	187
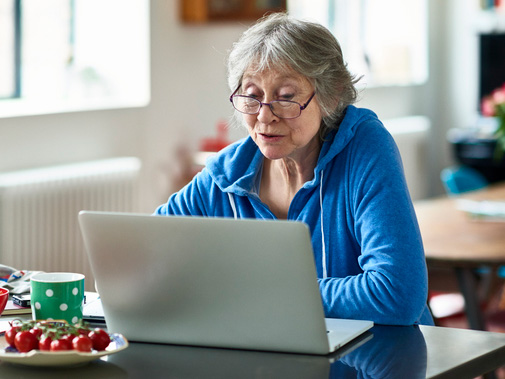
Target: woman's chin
273	153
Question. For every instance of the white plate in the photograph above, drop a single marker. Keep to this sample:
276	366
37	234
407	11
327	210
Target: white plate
60	358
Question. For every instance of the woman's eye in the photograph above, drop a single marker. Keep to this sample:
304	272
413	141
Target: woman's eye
286	97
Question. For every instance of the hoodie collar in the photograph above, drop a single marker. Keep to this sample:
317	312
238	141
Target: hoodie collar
237	167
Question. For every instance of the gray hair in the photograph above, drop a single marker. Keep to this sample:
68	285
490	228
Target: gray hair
281	42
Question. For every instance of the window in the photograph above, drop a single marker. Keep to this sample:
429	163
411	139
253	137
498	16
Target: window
9	48
73	55
383	40
46	47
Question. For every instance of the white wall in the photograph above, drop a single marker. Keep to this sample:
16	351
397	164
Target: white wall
189	87
189	95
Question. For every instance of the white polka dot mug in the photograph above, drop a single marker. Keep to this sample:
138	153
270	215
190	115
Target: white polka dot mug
57	296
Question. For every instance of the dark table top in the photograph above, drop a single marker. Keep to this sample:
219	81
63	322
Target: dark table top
382	352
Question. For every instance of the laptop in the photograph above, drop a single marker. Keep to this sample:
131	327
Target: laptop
214	282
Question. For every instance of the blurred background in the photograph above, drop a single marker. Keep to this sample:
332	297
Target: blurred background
86	83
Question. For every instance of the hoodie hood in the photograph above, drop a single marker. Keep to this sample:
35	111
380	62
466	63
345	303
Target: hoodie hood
232	173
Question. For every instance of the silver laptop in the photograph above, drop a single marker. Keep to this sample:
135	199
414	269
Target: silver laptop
215	282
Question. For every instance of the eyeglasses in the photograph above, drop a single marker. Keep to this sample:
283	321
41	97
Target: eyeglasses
280	108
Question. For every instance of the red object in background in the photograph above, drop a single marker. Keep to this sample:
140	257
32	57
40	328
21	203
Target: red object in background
4	296
216	143
190	163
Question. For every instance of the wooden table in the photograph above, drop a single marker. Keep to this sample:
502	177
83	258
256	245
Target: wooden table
453	239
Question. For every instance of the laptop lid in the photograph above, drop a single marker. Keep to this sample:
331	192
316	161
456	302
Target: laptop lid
218	282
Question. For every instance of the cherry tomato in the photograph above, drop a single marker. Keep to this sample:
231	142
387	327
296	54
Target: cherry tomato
83	331
100	339
37	332
68	337
82	343
45	343
10	334
25	341
60	345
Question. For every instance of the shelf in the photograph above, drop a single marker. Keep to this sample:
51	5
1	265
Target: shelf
205	11
490	21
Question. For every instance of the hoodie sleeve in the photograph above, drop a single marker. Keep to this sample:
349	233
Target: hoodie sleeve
192	200
200	197
391	285
233	170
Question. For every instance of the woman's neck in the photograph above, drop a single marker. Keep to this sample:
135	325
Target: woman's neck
282	179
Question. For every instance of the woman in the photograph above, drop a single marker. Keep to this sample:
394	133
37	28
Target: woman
313	157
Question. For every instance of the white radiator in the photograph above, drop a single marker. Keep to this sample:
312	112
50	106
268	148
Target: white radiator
38	211
411	135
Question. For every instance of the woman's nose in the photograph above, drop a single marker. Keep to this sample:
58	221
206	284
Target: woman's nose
266	115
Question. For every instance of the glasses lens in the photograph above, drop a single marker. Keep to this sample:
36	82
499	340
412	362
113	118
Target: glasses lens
280	108
285	109
246	104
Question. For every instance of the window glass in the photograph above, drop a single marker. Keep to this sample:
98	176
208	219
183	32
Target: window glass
46	47
383	40
77	55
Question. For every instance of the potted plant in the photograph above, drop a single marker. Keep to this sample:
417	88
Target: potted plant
493	105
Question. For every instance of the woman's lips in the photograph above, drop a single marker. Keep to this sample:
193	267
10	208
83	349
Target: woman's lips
270	137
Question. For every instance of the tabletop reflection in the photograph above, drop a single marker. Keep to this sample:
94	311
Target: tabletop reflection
383	352
394	352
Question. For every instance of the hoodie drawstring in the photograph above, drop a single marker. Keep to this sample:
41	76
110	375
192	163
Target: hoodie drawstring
323	246
232	204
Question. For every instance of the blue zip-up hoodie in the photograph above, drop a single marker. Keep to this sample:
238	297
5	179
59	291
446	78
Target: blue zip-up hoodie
367	245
